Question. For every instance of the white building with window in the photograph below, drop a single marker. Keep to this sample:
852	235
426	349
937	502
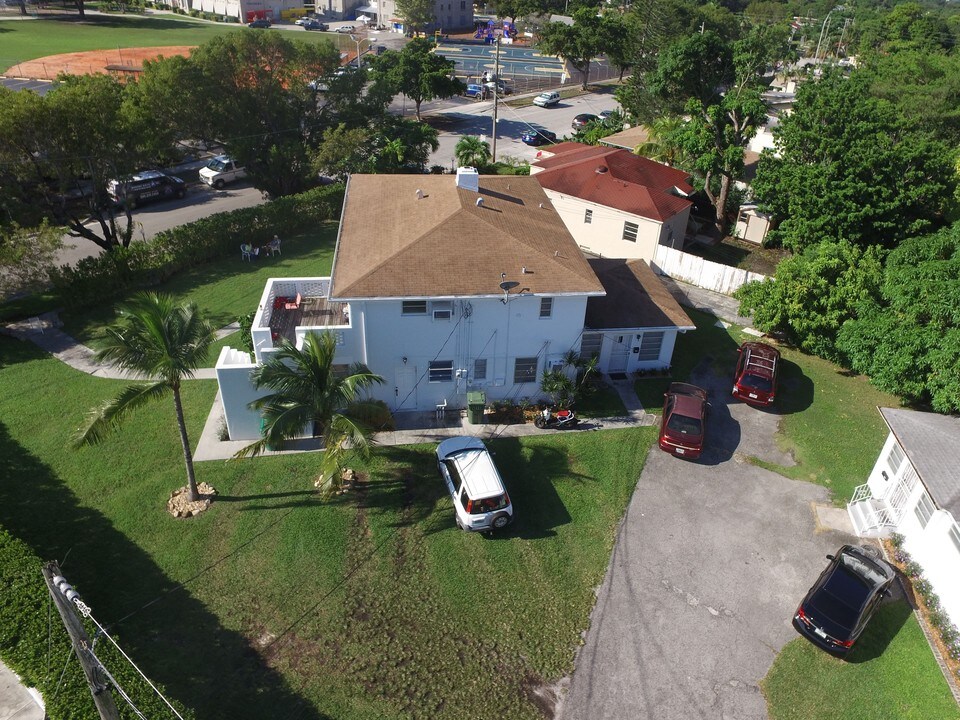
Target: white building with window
452	286
614	203
914	490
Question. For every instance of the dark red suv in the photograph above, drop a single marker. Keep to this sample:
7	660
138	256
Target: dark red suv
755	381
683	425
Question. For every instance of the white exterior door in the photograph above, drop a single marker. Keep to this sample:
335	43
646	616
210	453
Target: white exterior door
619	352
406	388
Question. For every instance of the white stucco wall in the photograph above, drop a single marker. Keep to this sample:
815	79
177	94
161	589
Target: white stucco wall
604	234
631	338
490	330
236	391
930	546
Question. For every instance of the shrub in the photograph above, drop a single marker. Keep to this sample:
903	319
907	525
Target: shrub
95	280
246	339
921	585
897	540
913	569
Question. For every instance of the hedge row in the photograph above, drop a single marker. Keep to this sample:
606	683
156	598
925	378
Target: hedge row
95	280
45	661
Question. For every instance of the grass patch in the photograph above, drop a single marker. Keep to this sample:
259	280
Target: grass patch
229	287
29	306
23	41
890	675
602	401
372	605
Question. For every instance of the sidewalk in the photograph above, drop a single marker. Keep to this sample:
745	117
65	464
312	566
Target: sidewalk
18	702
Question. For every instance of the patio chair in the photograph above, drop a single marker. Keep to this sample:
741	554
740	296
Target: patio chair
441	408
274	246
295	304
245	251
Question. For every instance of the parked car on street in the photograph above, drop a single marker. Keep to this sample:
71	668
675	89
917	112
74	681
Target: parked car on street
581	120
683	425
260	23
145	187
480	501
538	136
606	114
755	379
311	24
835	611
221	170
476	91
546	99
346	29
499	85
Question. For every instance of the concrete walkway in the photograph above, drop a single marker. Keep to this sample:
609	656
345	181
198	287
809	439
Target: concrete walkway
16	701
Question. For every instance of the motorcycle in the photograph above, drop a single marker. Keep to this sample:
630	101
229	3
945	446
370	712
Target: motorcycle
558	420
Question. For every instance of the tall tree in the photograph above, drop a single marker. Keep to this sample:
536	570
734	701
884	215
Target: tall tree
908	339
471	151
164	341
417	14
579	43
310	396
850	167
418	72
26	257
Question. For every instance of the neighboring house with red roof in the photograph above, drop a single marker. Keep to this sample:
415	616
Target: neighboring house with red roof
614	203
457	285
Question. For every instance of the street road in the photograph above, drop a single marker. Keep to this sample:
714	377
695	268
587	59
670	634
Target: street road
476	118
200	202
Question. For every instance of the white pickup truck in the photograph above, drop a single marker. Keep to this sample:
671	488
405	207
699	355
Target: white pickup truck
220	171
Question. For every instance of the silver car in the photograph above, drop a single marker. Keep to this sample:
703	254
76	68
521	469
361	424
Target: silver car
480	501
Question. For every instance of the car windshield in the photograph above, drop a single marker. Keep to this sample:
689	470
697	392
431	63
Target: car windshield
217	165
756	382
863	569
685	425
841	597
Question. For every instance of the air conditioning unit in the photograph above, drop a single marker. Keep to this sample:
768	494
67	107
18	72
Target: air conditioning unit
442	310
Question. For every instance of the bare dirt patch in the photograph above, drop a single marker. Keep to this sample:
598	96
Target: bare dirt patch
120	61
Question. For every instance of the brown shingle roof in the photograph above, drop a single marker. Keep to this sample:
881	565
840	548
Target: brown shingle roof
392	244
636	298
616	178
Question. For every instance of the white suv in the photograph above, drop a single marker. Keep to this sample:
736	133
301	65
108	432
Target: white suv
220	171
479	500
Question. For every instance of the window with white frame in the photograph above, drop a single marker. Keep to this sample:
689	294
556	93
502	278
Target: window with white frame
588	216
650	344
630	231
955	536
590	345
414	307
546	307
480	369
441	371
895	458
525	370
924	509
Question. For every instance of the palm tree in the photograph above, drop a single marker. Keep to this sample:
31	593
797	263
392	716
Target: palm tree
311	394
162	341
660	145
471	151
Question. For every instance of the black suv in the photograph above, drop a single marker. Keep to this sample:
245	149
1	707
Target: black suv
145	187
843	599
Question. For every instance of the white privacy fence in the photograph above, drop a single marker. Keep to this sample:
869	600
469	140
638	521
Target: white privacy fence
702	273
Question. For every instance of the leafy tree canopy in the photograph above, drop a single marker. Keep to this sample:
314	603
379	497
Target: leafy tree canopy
579	43
851	168
814	293
908	339
418	72
417	14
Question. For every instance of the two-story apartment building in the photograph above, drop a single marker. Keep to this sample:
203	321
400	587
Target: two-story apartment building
454	285
614	203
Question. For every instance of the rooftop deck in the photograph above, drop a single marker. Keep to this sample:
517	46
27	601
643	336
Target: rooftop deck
313	312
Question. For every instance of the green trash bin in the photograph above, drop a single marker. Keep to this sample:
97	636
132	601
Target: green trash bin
476	402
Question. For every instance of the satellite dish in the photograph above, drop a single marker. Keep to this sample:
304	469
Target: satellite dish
508	285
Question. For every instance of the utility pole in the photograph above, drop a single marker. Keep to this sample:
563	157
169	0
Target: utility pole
496	99
64	598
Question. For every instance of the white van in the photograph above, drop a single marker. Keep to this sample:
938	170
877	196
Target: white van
220	171
480	501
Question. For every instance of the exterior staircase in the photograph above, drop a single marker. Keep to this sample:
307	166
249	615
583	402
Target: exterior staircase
871	517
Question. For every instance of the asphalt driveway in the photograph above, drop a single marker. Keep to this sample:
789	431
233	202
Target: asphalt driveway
709	565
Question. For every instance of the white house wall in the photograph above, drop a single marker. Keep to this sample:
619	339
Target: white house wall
604	234
631	337
236	392
491	330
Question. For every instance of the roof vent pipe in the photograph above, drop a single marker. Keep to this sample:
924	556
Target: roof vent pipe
479	202
601	169
419	194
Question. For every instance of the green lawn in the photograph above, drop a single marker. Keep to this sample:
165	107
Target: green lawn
229	287
890	675
373	605
29	40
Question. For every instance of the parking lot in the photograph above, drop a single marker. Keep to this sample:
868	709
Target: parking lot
711	560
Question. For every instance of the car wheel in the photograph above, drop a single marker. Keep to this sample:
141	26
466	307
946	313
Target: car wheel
218	184
538	421
459	524
180	193
133	202
500	521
